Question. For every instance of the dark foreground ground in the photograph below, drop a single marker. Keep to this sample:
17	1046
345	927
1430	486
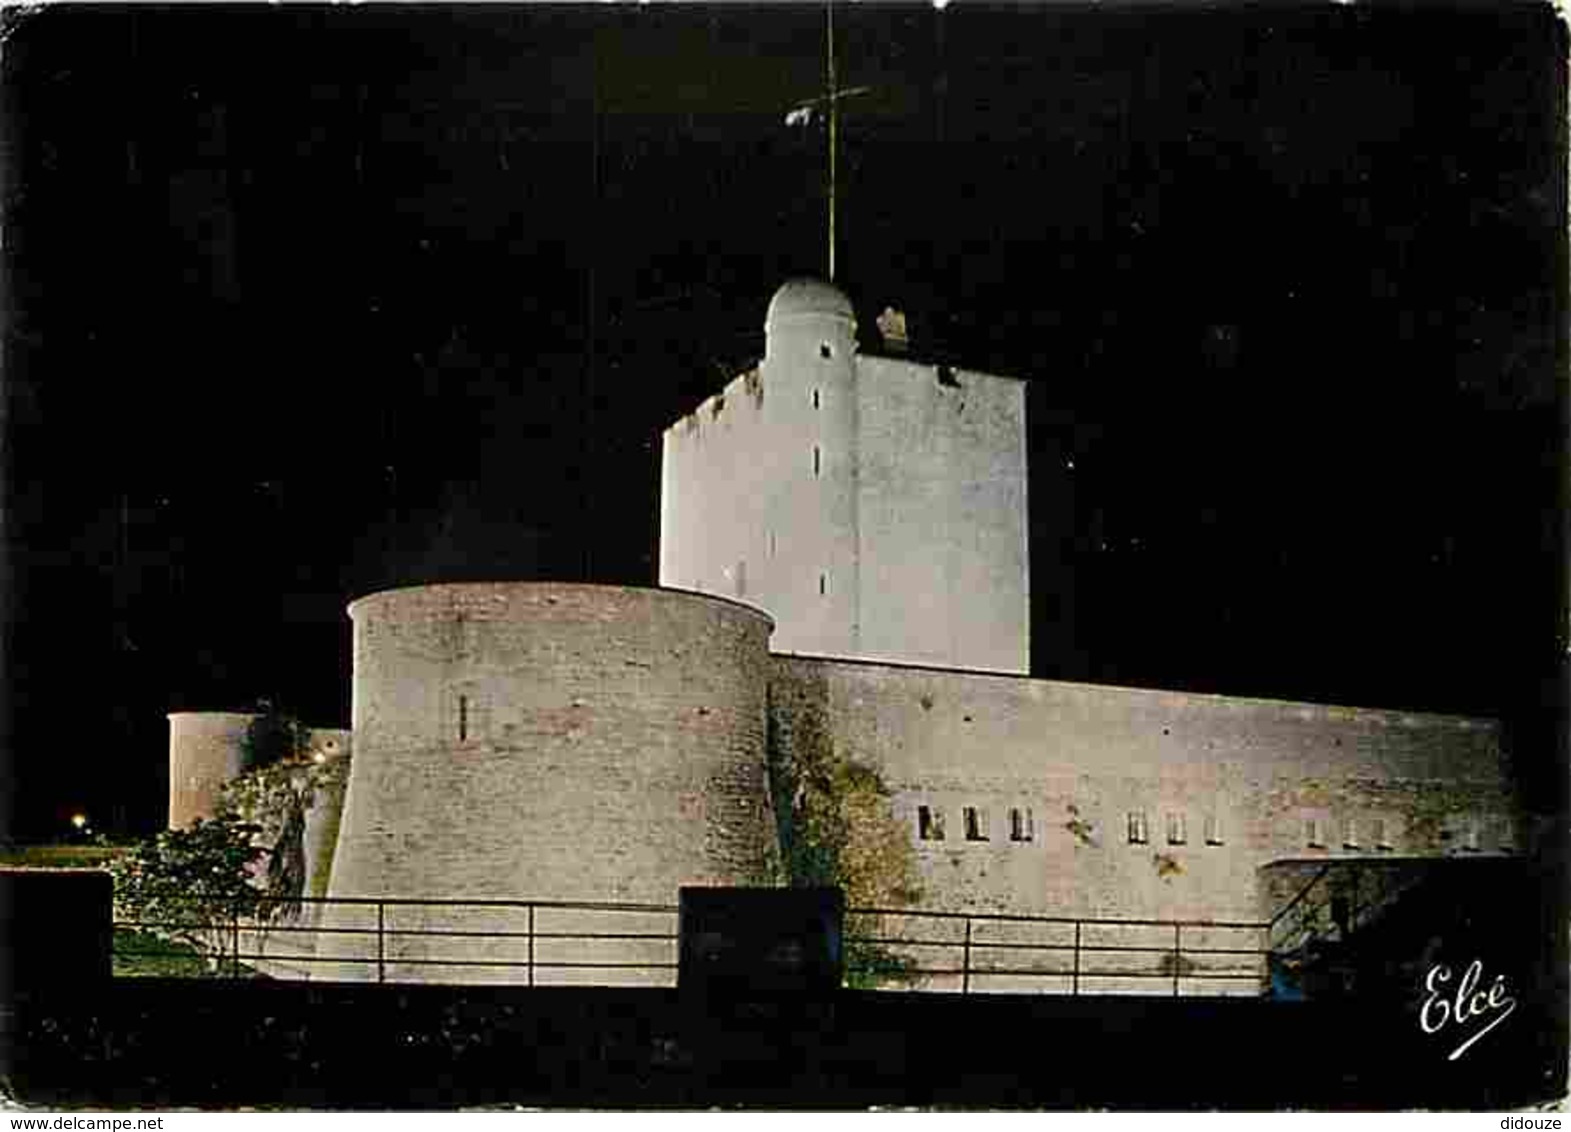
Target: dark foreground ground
207	1043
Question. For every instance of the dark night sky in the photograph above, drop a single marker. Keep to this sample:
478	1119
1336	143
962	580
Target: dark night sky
303	303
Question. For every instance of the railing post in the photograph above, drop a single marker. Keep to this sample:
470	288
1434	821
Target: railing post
965	963
1075	985
381	951
1178	957
531	945
234	939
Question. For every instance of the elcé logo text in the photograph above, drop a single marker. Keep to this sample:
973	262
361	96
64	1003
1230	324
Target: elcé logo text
1459	1010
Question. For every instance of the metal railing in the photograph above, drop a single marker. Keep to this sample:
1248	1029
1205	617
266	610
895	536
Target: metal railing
535	942
239	944
1073	955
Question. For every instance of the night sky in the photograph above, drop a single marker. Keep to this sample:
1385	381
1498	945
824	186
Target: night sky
303	303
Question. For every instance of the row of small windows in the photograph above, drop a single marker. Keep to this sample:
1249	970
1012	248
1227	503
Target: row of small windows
975	822
1373	833
1351	833
1464	832
1139	831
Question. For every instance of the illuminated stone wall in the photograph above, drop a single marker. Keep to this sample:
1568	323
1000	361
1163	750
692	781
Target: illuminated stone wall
551	742
1081	800
204	753
874	507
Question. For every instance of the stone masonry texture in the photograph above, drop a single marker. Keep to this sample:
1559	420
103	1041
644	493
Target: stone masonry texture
1218	785
553	742
875	507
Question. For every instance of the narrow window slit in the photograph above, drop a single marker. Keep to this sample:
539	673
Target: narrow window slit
976	824
1020	825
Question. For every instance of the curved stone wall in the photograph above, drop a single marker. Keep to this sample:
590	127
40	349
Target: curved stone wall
204	753
551	742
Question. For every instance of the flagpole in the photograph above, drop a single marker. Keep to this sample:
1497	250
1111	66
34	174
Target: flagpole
834	126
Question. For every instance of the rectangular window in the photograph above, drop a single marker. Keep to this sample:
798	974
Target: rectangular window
1349	834
771	544
818	460
741	577
1213	829
929	824
1176	834
1020	825
463	718
976	824
823	584
1137	828
815	398
1314	833
1379	833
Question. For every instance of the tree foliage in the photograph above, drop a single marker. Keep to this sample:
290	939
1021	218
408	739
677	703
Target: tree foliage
190	885
839	830
285	779
273	736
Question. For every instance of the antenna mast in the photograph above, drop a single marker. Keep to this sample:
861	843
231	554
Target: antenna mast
834	125
804	113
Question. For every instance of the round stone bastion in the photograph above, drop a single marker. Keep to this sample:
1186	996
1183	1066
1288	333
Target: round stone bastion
545	742
206	750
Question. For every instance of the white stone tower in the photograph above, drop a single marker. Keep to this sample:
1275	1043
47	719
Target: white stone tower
875	507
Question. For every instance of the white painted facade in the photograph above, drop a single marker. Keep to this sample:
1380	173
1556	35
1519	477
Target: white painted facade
875	507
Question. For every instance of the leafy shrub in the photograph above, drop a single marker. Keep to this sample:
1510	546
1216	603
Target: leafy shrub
286	777
190	885
838	830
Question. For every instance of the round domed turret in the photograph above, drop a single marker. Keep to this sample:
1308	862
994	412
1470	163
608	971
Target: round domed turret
808	298
809	318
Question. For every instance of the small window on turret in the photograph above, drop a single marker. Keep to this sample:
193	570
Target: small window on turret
463	718
825	351
818	460
1137	827
815	398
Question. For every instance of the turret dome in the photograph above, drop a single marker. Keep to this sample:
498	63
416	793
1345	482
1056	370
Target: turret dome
808	298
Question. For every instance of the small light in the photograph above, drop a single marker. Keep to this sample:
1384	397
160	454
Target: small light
79	821
320	757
